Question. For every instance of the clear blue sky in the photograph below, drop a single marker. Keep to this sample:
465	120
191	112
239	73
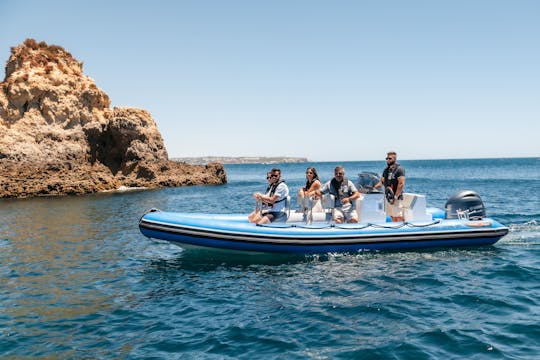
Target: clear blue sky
326	80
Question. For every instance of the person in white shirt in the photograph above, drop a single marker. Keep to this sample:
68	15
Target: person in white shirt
274	200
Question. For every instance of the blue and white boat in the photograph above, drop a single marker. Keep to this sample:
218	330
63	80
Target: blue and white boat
462	223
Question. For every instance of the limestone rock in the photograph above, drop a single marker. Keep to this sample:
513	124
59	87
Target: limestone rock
58	134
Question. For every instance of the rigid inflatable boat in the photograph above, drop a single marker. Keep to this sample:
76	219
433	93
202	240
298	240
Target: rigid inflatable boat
311	229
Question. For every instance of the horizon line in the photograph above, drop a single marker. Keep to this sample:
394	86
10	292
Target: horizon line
320	161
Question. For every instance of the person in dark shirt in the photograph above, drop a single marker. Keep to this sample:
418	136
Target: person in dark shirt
393	179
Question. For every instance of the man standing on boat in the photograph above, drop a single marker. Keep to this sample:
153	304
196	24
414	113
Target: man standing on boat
275	200
393	179
345	193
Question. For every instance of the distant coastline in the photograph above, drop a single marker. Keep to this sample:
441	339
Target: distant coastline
239	160
203	160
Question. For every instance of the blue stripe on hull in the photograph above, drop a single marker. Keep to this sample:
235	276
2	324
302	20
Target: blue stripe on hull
323	248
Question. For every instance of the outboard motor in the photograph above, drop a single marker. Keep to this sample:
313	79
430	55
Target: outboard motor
465	204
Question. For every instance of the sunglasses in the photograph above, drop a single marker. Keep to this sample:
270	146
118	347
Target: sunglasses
389	158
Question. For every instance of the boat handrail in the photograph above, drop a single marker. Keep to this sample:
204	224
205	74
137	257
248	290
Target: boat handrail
348	226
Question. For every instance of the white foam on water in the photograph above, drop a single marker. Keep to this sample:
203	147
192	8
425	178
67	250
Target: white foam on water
527	234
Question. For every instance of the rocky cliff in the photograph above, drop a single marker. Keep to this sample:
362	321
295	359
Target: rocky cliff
58	134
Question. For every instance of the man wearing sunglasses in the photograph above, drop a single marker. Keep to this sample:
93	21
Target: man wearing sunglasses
393	179
274	200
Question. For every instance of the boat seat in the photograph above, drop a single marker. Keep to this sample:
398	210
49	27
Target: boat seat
325	210
328	202
370	208
414	207
296	216
318	210
308	203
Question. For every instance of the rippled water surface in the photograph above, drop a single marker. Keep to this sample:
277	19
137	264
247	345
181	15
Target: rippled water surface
79	281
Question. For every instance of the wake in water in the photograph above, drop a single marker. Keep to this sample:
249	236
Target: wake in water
527	234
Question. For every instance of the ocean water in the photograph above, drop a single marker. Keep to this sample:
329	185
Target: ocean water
78	280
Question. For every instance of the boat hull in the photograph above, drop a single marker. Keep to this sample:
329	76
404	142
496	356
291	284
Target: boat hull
233	232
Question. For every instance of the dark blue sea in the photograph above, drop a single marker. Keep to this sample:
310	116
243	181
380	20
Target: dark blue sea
78	280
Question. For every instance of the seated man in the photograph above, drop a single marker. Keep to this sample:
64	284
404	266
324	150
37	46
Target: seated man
274	200
345	193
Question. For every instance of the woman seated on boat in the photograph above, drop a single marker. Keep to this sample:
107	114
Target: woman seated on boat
313	183
273	201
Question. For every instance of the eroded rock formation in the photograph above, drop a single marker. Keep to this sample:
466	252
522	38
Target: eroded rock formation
58	134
